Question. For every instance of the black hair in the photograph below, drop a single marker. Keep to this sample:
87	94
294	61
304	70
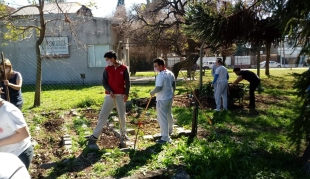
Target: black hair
110	54
219	60
236	69
159	61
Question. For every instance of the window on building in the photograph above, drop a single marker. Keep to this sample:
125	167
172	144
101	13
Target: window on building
95	55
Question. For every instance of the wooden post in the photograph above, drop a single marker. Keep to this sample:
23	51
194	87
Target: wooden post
195	114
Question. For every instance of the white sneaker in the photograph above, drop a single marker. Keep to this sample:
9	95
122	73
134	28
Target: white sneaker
217	110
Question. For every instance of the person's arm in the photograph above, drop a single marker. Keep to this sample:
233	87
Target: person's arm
215	78
213	71
237	80
158	85
127	84
105	81
18	85
19	135
18	124
174	86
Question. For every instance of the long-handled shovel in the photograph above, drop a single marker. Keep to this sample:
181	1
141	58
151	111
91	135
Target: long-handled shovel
122	136
201	106
5	77
140	123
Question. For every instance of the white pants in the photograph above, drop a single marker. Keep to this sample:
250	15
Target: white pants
214	90
221	91
106	109
165	119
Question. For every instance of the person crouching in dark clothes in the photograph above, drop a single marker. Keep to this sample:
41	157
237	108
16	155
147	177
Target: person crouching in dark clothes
252	78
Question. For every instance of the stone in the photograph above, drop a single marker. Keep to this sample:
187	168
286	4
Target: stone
74	113
187	131
157	136
116	133
131	131
67	142
148	137
115	119
125	149
129	143
111	125
66	138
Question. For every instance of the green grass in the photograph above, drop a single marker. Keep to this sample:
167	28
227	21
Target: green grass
242	144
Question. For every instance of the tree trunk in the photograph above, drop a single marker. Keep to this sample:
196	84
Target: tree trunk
190	60
258	61
37	97
268	47
306	155
224	60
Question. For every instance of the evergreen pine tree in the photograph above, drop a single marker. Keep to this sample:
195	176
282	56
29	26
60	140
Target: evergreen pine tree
300	127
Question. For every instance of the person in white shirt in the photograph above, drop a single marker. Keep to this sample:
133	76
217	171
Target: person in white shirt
14	133
221	81
164	90
11	167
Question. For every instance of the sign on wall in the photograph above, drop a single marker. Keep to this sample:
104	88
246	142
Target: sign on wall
55	46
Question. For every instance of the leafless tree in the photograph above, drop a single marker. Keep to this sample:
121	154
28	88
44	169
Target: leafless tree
20	27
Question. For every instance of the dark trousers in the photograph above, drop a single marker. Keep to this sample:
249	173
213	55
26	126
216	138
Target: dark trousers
26	156
253	86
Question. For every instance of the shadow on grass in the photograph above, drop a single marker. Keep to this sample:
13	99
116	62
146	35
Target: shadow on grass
86	159
138	159
237	160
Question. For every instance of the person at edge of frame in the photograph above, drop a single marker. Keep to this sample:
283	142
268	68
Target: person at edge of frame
14	133
14	83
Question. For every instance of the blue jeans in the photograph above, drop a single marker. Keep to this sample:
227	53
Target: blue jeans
26	156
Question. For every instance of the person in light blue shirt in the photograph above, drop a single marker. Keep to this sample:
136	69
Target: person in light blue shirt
221	81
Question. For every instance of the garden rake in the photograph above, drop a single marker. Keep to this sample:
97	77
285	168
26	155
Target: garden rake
5	77
201	106
140	123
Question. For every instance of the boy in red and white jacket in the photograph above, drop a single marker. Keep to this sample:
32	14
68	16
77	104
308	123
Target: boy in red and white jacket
116	84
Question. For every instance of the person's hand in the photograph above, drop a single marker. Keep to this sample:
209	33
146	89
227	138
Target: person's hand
6	82
1	92
125	98
112	94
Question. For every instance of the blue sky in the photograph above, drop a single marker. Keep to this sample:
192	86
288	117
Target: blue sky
105	7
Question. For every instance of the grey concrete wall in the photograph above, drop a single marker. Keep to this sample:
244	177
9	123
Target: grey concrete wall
83	32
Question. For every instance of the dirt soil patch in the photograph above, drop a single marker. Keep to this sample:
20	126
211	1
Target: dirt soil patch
53	125
108	140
